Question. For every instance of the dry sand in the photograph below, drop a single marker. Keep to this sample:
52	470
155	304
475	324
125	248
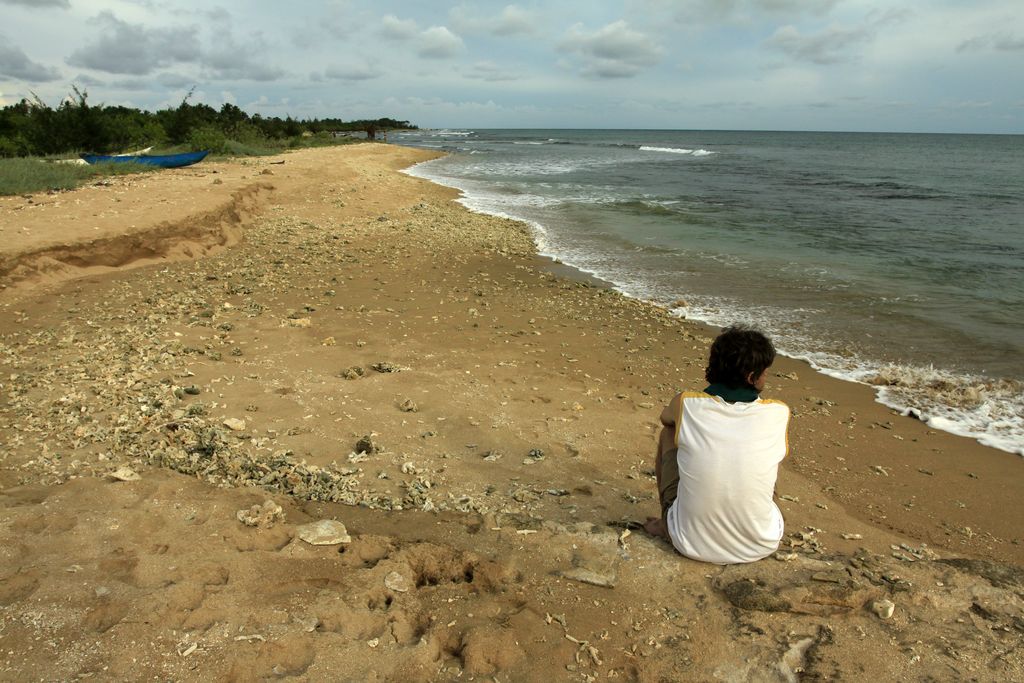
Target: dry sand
179	347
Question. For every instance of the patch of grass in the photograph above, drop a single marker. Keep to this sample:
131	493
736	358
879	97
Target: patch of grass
323	140
32	174
267	146
234	148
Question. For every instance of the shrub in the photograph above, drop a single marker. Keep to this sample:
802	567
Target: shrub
13	147
208	137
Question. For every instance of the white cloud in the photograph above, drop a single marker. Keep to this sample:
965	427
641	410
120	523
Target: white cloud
828	46
337	19
834	43
1003	41
123	48
710	12
15	64
249	59
614	51
763	56
34	4
393	28
437	42
137	50
512	20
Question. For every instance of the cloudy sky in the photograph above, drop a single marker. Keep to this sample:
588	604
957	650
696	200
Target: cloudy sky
859	65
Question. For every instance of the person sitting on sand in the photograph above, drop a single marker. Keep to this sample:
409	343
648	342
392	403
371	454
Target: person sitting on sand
718	458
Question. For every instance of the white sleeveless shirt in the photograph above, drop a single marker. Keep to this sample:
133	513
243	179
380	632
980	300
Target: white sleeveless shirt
728	456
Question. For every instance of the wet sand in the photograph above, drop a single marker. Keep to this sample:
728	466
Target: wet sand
347	341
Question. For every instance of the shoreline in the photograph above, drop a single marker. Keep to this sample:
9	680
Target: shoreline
511	418
813	379
886	379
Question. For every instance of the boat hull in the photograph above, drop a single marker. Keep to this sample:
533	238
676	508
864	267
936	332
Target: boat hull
158	160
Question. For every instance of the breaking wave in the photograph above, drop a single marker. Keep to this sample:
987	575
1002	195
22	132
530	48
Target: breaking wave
678	150
962	402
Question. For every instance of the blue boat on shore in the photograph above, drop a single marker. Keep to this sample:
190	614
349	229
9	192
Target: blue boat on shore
158	160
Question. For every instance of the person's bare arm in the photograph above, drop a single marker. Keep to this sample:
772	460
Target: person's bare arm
667	439
668	415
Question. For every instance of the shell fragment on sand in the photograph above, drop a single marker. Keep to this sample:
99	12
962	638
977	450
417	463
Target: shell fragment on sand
397	582
883	609
124	474
324	532
261	515
583	575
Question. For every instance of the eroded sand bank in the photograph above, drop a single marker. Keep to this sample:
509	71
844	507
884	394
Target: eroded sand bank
508	418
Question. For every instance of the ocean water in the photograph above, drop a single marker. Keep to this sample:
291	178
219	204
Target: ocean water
890	259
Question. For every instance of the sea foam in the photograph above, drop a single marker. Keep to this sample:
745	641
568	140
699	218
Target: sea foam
678	150
978	407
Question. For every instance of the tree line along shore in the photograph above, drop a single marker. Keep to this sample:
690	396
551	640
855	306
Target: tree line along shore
31	129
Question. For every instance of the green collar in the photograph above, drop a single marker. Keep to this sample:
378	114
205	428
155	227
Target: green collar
733	394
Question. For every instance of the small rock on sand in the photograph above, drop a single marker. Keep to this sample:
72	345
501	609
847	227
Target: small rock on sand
584	575
324	532
384	367
397	582
367	445
354	372
234	424
883	608
262	516
124	474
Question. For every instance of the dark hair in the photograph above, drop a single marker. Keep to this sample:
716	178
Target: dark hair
736	354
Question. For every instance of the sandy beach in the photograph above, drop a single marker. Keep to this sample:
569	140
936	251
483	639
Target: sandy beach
328	338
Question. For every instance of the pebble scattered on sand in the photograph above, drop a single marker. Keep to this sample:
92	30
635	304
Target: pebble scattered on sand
126	397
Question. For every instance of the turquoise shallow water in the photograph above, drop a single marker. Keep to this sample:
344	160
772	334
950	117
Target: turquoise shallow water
877	257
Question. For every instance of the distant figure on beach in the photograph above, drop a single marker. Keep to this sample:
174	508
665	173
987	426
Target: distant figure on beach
718	458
